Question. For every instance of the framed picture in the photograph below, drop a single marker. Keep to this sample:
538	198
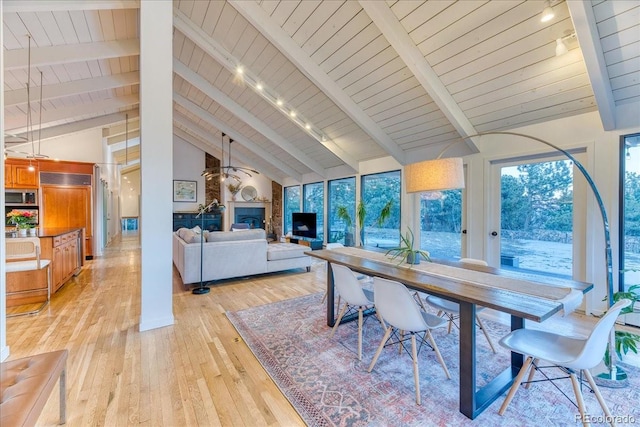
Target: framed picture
184	191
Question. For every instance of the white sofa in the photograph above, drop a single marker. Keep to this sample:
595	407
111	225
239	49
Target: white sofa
228	254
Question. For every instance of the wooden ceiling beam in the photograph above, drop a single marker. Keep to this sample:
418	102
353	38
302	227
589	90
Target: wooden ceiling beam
74	87
80	52
396	35
584	23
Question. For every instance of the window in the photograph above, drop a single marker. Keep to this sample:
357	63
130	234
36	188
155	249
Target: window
380	191
441	223
291	205
630	216
537	216
342	197
313	201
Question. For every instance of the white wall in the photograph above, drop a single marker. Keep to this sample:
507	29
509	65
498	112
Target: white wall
130	194
188	164
85	146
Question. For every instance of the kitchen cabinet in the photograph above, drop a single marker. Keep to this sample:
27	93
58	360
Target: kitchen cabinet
64	248
68	206
21	174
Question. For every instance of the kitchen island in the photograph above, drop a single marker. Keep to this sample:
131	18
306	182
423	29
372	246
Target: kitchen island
63	246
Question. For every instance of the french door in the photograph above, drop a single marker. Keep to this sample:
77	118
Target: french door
537	215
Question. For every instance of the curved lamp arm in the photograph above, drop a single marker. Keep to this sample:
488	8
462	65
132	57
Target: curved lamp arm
612	375
596	193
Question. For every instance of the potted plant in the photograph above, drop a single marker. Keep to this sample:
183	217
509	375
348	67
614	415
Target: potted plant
343	214
21	220
406	251
361	213
625	341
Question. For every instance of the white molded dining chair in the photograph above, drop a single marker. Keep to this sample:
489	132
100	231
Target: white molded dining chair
331	246
354	296
26	253
570	354
452	309
399	312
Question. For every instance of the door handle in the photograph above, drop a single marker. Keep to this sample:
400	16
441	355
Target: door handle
464	231
494	233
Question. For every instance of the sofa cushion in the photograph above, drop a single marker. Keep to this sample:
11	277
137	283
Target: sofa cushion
230	236
276	251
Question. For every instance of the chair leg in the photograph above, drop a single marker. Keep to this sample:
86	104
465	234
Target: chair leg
335	326
532	373
416	296
486	333
438	355
450	323
579	399
401	342
360	333
516	384
63	395
324	297
596	390
416	374
387	333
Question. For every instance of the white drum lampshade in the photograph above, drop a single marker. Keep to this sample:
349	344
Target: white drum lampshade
435	175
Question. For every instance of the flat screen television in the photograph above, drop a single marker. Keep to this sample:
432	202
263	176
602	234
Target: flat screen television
304	224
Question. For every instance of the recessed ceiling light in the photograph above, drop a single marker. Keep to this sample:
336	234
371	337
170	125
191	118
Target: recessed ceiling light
292	113
259	86
239	70
279	102
307	126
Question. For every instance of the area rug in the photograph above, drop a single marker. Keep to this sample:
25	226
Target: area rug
328	386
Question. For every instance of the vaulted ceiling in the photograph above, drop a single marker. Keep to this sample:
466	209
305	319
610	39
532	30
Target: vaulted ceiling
364	79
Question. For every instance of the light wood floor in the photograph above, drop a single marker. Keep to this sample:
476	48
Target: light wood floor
196	372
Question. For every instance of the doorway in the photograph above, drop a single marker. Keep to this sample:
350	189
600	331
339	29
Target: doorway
538	215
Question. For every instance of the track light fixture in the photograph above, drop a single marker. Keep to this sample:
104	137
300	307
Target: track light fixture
561	47
547	12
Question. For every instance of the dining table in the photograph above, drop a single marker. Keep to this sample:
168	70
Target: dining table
524	295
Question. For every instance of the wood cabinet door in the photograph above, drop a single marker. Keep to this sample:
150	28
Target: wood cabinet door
68	206
58	268
23	177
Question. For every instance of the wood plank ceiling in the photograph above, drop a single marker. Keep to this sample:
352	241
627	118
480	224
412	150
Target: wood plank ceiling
364	79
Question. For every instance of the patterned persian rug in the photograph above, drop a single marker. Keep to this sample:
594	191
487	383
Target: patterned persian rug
328	386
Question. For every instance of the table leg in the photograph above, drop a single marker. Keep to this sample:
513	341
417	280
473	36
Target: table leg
517	359
330	297
473	401
468	359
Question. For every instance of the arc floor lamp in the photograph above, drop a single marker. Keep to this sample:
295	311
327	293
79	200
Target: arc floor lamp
445	174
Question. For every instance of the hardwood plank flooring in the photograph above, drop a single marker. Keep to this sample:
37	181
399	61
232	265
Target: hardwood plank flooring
197	372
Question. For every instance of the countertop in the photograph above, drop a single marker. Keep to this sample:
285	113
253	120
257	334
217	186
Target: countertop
46	232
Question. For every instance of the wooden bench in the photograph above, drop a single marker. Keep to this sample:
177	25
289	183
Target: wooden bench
25	386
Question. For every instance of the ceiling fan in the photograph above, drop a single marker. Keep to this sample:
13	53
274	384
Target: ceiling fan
228	171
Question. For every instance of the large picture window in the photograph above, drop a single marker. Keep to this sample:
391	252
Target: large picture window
630	217
291	205
313	201
441	223
380	193
341	211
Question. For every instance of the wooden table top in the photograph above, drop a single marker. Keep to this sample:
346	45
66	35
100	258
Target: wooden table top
518	304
